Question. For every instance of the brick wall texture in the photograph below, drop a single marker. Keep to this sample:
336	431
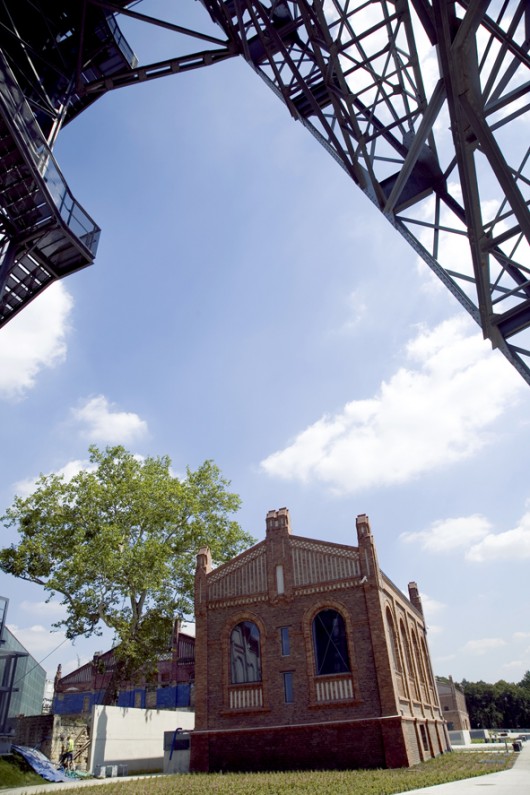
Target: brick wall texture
453	703
268	696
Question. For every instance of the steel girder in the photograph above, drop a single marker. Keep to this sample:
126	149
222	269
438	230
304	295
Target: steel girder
425	105
423	102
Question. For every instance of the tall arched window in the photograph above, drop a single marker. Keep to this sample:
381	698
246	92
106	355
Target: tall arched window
245	654
408	660
426	664
419	663
330	643
393	641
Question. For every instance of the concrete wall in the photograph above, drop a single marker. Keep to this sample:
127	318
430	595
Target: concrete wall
460	737
133	737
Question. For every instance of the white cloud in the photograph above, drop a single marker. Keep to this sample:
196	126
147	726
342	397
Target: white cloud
483	645
521	635
102	423
35	339
474	533
23	488
72	468
51	648
510	545
38	639
431	414
446	535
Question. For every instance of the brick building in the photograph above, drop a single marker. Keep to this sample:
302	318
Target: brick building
77	692
453	703
308	656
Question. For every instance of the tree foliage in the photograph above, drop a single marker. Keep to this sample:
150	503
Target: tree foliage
501	705
118	543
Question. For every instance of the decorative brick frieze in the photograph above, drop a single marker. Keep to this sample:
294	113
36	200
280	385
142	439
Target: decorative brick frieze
223	603
313	564
326	587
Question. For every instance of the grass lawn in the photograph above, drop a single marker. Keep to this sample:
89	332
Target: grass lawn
15	772
449	767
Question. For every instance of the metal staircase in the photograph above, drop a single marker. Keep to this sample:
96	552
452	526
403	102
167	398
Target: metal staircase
423	103
46	233
46	59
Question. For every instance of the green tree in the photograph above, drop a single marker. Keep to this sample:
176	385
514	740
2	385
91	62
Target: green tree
501	705
480	703
118	543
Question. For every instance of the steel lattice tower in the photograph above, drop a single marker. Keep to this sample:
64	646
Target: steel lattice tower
424	103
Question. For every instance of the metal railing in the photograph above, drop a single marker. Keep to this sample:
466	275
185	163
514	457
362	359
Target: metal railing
19	119
121	42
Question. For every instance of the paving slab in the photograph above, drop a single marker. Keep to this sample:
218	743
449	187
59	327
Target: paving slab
515	781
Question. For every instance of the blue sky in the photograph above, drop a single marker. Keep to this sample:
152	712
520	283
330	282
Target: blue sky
248	304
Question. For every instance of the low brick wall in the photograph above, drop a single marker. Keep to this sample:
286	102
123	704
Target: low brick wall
359	744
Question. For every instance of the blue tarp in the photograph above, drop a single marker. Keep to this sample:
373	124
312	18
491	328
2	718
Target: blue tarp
40	763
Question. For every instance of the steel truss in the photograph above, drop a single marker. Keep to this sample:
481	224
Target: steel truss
423	103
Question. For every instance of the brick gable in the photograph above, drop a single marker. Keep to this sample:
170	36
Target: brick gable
338	685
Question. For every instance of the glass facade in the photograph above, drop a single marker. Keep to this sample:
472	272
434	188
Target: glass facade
29	678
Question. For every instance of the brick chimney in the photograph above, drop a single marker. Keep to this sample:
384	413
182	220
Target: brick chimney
414	596
278	522
279	554
367	552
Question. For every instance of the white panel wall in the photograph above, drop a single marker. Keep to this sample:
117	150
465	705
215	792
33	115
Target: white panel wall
460	737
133	737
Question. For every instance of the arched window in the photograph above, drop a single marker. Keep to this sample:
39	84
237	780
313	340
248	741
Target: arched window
426	664
245	654
408	660
330	643
419	663
393	641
